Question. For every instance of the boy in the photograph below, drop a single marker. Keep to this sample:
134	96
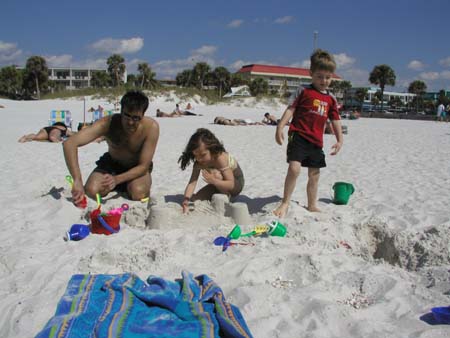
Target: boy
127	165
309	112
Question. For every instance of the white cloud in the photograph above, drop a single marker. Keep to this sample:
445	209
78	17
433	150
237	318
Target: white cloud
445	62
358	77
124	46
235	23
284	20
445	75
59	60
343	60
416	65
168	69
9	52
301	64
430	76
204	50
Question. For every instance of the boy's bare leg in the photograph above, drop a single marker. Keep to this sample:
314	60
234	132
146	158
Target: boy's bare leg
312	187
139	188
289	186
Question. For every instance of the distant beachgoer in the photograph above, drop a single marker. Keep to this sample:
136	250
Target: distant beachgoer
218	168
309	113
440	112
235	122
128	163
159	113
55	133
270	120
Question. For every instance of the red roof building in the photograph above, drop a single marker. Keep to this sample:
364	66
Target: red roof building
278	76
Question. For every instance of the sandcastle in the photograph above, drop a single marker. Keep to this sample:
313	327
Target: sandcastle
159	216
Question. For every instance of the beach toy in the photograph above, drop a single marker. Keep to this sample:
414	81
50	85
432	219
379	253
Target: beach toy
83	203
77	232
108	223
342	192
272	228
99	200
118	211
226	242
441	314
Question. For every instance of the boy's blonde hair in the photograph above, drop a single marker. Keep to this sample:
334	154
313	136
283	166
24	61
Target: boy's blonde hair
322	60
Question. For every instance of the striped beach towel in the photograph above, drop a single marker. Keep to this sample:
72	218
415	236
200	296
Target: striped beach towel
125	306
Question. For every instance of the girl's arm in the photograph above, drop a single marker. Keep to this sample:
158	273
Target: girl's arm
189	191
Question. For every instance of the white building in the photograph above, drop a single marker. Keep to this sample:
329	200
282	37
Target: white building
75	78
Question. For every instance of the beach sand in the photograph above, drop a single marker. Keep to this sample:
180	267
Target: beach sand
371	268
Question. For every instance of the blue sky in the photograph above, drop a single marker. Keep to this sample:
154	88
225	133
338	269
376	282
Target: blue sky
410	36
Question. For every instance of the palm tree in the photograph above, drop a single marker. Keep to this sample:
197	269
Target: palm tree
419	88
199	73
116	68
382	75
36	72
221	77
183	78
360	95
11	81
259	86
146	76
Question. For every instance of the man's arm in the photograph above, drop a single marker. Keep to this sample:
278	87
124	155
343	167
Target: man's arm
70	149
145	157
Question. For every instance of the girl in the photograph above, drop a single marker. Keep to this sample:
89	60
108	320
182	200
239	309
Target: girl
219	168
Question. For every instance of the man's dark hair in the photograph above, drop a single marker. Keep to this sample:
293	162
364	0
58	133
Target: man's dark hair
134	101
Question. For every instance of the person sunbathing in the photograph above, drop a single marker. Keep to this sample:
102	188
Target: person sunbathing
235	122
270	120
55	133
159	113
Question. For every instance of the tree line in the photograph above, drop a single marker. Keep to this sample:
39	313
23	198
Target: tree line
33	80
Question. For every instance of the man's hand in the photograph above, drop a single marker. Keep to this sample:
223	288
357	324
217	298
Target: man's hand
336	147
77	192
108	182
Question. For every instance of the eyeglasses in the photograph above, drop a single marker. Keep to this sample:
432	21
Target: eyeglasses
134	118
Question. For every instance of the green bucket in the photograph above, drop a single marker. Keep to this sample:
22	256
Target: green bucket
342	192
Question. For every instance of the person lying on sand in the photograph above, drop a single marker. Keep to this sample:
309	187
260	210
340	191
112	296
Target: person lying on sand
55	133
235	122
127	166
159	113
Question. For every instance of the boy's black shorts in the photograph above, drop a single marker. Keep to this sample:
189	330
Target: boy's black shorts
303	151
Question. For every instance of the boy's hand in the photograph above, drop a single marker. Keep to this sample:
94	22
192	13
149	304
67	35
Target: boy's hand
109	182
279	136
336	147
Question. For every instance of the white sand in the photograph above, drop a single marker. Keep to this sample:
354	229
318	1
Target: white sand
304	285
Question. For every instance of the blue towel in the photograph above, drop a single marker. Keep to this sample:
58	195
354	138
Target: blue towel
125	306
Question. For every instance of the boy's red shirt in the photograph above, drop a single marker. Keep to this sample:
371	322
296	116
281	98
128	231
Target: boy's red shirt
311	111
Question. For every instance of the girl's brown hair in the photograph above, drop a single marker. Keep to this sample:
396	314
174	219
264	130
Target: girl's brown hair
209	140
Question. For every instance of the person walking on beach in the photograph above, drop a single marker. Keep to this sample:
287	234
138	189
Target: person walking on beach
440	114
309	112
127	166
219	169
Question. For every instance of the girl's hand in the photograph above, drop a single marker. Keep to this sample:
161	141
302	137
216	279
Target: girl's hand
208	177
